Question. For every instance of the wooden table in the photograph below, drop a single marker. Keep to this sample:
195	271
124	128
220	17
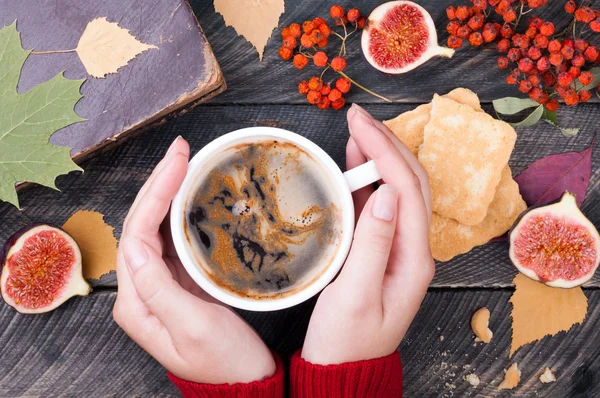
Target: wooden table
78	351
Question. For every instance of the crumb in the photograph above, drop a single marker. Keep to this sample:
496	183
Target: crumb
451	386
480	325
445	353
547	376
467	367
512	378
443	366
472	379
441	338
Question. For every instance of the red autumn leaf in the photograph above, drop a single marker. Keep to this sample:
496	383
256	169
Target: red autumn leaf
545	180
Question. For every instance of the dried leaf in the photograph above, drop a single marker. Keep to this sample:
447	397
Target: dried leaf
513	105
253	19
96	240
540	310
28	120
531	119
547	179
104	47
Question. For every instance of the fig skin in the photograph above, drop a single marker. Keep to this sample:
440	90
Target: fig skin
75	284
433	48
563	208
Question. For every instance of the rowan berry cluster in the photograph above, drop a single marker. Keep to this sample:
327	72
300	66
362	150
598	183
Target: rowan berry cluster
545	64
306	42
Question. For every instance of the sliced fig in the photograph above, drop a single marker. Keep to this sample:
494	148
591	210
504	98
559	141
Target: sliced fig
556	244
41	269
399	36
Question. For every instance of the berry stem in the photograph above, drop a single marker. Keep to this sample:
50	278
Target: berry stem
363	87
52	52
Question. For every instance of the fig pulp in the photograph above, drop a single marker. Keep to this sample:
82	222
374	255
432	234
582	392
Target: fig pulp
399	36
556	244
41	269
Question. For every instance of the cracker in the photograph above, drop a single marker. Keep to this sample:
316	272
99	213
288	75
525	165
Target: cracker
448	238
409	126
464	152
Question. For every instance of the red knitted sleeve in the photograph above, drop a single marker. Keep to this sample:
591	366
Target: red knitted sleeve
381	377
270	387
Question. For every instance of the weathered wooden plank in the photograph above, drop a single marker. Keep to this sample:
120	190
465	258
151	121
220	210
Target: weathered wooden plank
274	81
77	350
112	179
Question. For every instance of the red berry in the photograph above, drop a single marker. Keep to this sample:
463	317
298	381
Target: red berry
536	22
325	30
540	41
502	62
539	95
464	31
315	84
308	26
361	24
295	30
300	61
586	78
324	102
548	79
525	65
585	14
525	86
475	39
584	95
555	59
318	21
502	6
479	5
512	78
571	97
595	26
338	64
489	33
547	29
552	104
567	52
353	15
534	53
453	27
316	36
290	42
451	13
531	32
285	32
336	12
565	79
506	31
313	97
493	3
326	89
574	72
520	41
338	104
303	87
285	53
591	53
509	15
543	64
554	46
476	21
343	84
323	43
320	59
305	41
569	43
335	95
570	7
581	45
454	42
536	3
535	80
514	54
462	13
578	60
503	45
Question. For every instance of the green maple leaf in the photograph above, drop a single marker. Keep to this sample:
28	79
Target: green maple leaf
28	120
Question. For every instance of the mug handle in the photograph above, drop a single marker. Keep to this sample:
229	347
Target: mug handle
362	176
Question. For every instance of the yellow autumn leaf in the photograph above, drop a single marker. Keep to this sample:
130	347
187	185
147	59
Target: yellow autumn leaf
253	19
96	241
540	310
104	47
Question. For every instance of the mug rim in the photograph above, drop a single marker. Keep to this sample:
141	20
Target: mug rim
185	252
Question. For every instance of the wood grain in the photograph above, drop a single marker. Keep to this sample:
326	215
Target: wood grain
78	351
112	180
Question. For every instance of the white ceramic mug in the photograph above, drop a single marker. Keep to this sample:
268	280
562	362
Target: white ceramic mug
201	163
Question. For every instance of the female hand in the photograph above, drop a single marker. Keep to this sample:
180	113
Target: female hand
161	308
366	311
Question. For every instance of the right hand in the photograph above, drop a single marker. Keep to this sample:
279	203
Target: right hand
366	311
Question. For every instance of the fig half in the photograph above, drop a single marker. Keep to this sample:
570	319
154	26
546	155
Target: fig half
399	36
556	244
41	269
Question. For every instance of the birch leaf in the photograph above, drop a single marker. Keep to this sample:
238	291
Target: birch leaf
104	47
28	120
96	240
253	19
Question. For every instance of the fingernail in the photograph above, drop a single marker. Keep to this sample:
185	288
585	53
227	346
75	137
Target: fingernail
364	115
386	203
173	145
135	254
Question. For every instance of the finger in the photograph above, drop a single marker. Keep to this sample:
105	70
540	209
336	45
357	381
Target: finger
154	205
391	143
178	145
373	239
156	288
354	158
411	244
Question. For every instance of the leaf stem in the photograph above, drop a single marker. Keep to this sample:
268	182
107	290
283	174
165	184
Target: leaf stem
52	52
364	88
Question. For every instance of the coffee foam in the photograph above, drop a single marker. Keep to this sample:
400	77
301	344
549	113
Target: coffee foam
281	214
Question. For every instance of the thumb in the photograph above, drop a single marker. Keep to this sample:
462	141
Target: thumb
155	286
373	238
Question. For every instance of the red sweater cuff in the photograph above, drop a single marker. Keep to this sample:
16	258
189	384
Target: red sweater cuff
381	377
269	387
